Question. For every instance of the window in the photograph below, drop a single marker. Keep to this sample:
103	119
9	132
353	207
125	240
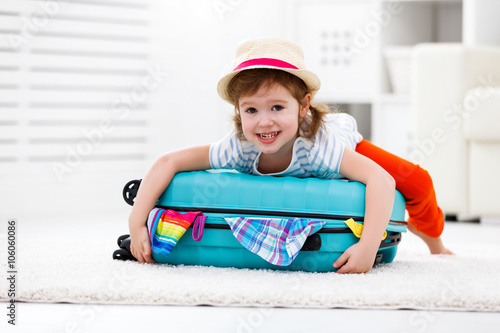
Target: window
74	80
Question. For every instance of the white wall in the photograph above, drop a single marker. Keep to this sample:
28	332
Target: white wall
179	48
176	51
481	25
66	144
195	43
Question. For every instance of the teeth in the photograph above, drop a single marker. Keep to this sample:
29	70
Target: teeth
268	136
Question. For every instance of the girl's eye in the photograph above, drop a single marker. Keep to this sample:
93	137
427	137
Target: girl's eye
251	110
277	108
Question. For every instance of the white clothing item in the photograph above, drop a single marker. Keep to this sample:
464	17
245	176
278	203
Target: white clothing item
319	157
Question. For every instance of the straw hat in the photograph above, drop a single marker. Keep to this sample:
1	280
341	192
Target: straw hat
273	53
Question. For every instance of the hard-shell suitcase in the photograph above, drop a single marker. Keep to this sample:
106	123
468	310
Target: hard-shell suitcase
220	194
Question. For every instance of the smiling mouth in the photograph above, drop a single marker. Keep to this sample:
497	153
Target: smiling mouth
268	135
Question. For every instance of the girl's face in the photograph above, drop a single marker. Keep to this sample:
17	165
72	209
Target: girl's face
270	119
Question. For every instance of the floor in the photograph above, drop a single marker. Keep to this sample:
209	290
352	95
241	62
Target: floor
36	317
118	318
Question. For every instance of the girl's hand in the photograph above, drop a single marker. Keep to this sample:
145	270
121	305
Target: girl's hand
140	245
356	259
379	194
153	184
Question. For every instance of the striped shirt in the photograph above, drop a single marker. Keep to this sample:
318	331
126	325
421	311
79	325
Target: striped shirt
319	157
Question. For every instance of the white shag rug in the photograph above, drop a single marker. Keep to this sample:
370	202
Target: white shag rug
72	262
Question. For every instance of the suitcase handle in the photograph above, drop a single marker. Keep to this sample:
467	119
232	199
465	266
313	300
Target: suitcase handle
130	191
198	227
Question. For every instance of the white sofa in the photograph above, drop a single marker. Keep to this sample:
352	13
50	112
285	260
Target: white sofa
456	108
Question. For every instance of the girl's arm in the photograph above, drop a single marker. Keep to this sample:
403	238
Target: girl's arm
380	188
153	185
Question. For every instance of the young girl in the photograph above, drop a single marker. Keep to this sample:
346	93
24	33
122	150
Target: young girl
279	132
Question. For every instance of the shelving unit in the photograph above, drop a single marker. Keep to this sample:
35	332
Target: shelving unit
362	52
415	22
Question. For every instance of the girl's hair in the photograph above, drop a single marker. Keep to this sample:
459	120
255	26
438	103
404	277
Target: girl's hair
248	82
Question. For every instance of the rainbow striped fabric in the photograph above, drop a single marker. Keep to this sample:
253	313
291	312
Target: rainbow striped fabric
276	240
166	227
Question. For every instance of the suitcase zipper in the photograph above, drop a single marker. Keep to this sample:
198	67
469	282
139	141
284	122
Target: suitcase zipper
321	231
271	213
264	212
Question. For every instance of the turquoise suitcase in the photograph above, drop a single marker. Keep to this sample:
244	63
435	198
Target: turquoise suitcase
220	194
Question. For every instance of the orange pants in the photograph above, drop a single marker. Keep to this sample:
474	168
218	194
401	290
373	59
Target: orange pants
414	183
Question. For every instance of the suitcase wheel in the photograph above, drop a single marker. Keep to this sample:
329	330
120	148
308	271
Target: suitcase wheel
121	239
130	191
123	253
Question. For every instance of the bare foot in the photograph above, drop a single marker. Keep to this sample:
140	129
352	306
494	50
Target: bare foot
434	243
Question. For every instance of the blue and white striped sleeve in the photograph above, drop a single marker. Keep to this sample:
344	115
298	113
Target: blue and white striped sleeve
326	155
230	153
346	130
221	152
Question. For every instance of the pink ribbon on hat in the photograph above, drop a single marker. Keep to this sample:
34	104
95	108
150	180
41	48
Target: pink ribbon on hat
266	62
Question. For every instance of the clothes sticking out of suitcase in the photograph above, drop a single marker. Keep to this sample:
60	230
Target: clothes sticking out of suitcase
260	222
